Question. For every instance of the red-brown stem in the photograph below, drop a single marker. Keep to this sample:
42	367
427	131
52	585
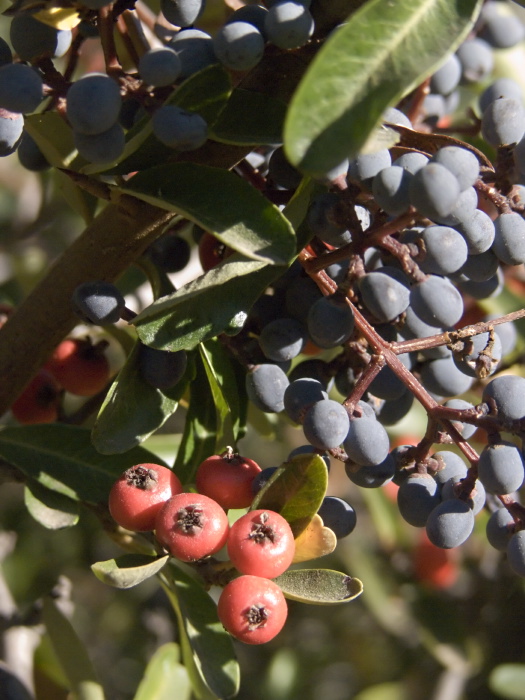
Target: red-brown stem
385	349
366	377
371	238
434	341
106	26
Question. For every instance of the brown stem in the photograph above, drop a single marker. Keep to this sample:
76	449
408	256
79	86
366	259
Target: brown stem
366	377
107	38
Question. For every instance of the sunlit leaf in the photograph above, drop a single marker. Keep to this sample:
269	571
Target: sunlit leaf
49	508
71	653
128	570
207	306
165	677
133	409
63	459
221	202
314	542
206	646
508	681
319	586
368	64
296	491
200	429
223	385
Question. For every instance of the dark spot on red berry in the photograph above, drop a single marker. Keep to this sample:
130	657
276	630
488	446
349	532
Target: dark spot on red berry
256	616
261	531
190	519
141	478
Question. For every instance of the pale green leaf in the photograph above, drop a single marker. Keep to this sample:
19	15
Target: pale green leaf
319	586
71	653
221	202
128	570
165	677
369	63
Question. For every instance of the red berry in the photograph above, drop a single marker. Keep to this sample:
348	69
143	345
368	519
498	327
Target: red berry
228	478
81	367
252	609
434	566
212	251
192	526
137	497
39	401
261	543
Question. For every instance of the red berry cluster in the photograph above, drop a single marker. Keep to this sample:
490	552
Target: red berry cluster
193	526
77	365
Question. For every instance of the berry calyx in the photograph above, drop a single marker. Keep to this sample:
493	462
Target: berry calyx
261	543
252	609
138	495
228	479
192	526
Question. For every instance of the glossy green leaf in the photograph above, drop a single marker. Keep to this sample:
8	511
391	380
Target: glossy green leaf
202	309
319	586
297	208
369	63
71	653
63	459
221	202
383	691
165	677
49	508
508	681
200	429
133	409
250	118
53	137
296	490
128	570
206	646
223	384
206	92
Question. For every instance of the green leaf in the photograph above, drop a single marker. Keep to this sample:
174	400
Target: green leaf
49	508
250	118
319	586
508	681
296	491
71	653
165	677
62	458
200	428
297	208
369	63
223	385
82	202
205	307
53	137
221	202
206	647
133	409
128	570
